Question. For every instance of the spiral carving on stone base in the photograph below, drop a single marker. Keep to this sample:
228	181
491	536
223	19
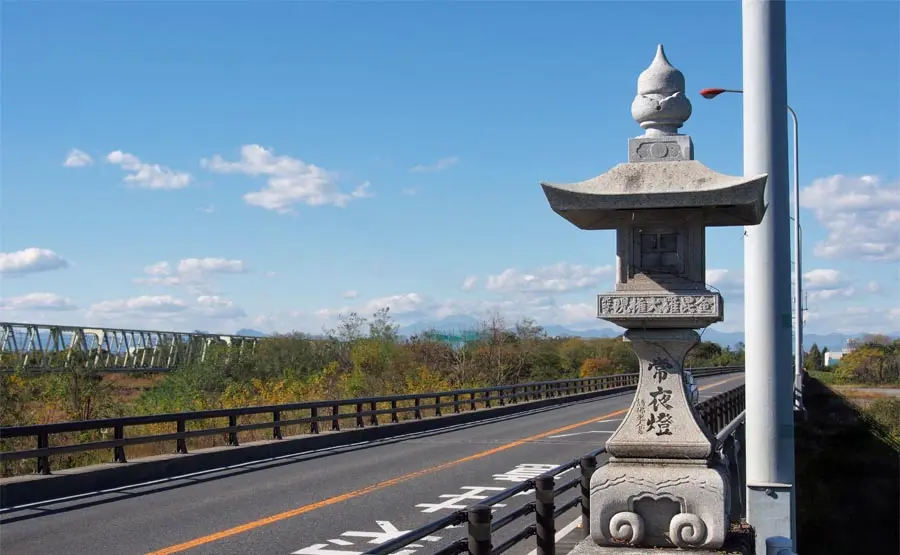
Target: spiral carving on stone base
626	527
687	530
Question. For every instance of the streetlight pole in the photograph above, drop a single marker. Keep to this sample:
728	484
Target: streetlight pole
798	254
770	474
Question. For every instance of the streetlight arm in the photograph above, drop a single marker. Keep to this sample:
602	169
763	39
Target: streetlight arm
798	267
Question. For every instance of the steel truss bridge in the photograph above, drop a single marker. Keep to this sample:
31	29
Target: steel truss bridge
43	348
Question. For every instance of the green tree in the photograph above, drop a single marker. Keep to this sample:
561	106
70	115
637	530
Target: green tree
814	359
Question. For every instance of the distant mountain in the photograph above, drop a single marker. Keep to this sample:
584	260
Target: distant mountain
457	323
449	324
250	333
562	331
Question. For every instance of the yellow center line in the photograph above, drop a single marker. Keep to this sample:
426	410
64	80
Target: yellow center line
384	484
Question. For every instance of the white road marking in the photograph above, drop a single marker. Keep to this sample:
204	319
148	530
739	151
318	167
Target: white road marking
608	420
320	549
562	533
388	532
524	472
582	433
474	494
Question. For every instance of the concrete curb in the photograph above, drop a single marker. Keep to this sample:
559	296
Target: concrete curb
22	490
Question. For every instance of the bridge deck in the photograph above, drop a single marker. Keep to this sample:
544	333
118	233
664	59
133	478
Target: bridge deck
334	502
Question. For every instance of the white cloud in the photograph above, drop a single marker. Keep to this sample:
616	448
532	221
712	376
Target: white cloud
270	274
413	307
214	306
730	283
873	287
36	302
290	181
148	176
854	319
350	294
824	284
208	209
194	273
831	294
30	261
559	278
410	191
158	269
861	215
716	275
470	283
440	165
165	312
78	159
160	305
211	265
821	278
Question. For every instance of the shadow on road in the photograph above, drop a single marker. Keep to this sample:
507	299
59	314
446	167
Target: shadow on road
848	479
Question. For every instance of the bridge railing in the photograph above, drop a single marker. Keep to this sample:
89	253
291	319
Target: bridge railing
723	414
46	348
364	411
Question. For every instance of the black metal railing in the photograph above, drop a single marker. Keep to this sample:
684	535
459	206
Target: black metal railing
363	411
723	414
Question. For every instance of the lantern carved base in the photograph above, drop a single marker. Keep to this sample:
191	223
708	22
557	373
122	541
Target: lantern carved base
660	503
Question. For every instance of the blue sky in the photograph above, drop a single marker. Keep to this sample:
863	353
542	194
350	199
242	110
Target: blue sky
211	165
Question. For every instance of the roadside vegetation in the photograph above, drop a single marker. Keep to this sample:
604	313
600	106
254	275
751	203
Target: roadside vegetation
873	364
848	474
873	361
359	357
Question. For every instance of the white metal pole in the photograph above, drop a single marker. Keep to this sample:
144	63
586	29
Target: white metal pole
798	270
767	261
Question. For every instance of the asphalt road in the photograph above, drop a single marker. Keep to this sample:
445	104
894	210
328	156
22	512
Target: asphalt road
332	502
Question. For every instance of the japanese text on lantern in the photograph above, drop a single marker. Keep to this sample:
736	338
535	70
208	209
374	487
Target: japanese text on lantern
660	421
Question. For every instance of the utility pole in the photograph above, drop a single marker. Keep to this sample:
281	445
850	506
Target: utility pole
798	270
767	268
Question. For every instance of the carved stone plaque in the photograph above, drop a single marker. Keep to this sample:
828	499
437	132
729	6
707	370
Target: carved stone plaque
658	305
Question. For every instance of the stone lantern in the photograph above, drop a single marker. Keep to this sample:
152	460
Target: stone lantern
665	485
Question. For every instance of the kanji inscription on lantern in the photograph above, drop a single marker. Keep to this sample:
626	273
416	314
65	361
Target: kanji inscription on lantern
660	424
659	367
658	305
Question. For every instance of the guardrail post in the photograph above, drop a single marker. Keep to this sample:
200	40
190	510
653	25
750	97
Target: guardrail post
437	405
418	412
43	463
359	419
394	418
741	464
479	517
501	394
487	399
314	425
335	420
588	465
456	403
373	406
543	510
232	436
472	401
180	443
276	430
729	452
119	450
